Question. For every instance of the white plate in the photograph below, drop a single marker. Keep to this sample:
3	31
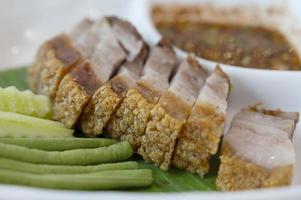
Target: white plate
28	23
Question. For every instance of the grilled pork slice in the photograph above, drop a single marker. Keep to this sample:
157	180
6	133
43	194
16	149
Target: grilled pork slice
257	151
77	87
53	60
171	112
108	97
201	136
129	121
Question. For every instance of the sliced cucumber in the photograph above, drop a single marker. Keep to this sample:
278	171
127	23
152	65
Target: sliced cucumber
24	102
17	125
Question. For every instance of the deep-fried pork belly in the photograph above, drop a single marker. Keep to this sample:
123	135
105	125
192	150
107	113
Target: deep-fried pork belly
108	97
257	150
77	87
128	36
87	43
201	136
54	59
129	121
171	112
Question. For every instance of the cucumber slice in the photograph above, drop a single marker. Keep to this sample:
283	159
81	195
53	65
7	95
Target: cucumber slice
24	102
17	125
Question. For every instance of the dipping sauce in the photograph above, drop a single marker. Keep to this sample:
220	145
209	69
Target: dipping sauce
240	45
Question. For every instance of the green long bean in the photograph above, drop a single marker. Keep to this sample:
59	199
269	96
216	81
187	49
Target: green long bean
59	144
104	180
63	169
114	153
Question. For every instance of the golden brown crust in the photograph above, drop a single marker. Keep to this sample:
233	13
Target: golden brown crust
74	92
160	137
165	124
103	104
236	173
99	110
69	102
60	56
130	120
199	139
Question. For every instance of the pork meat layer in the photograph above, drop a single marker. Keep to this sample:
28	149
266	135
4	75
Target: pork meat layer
77	87
201	135
257	150
107	99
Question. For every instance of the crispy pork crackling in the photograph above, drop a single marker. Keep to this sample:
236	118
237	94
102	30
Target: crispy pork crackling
77	87
108	97
129	121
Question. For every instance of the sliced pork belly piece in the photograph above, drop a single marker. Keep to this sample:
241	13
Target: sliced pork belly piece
79	29
87	42
201	136
257	150
128	36
129	121
77	87
107	98
170	114
53	60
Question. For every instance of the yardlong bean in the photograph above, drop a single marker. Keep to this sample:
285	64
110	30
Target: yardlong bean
114	153
60	144
93	181
63	169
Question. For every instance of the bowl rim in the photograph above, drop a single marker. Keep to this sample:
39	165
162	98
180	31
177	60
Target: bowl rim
154	36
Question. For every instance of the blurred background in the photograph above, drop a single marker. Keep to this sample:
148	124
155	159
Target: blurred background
26	24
